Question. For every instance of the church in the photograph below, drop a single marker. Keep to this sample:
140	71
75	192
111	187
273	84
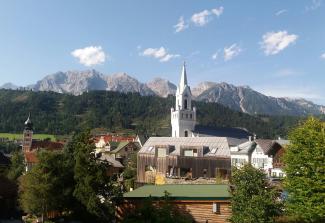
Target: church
193	151
184	119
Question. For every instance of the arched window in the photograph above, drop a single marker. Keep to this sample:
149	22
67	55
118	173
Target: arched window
185	104
186	133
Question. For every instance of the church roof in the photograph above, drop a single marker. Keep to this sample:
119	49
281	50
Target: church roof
217	146
236	133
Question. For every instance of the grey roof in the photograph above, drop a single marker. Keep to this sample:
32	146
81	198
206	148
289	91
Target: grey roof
111	160
283	142
236	141
219	143
245	148
238	133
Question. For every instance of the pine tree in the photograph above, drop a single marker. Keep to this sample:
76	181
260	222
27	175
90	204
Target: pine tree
94	189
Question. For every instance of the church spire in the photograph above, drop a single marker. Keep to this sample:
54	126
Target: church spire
183	81
28	123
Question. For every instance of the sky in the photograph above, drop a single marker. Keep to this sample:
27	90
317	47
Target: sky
276	47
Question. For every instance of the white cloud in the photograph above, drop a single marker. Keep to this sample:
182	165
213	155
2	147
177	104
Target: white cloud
231	52
315	4
201	18
274	42
214	56
90	55
181	25
280	12
322	56
287	72
159	53
217	11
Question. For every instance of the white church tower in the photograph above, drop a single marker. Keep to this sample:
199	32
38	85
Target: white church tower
183	116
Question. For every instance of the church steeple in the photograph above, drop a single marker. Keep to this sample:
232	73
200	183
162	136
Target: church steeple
183	117
183	81
29	123
28	135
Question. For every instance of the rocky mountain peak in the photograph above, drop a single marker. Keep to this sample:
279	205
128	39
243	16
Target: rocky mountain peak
162	87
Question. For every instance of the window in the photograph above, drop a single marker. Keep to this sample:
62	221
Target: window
281	175
186	115
188	152
260	162
235	161
273	174
191	116
185	104
161	152
216	208
191	152
186	133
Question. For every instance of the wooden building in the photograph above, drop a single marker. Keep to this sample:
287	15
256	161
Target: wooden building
203	203
184	157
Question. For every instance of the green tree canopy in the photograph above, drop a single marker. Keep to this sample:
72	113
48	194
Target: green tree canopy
305	167
17	165
94	189
41	188
253	199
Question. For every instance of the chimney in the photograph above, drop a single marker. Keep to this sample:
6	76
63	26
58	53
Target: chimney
250	138
254	137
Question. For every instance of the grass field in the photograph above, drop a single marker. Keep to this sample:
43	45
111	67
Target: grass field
12	136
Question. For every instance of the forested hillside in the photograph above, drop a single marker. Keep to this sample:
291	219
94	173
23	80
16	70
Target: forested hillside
58	114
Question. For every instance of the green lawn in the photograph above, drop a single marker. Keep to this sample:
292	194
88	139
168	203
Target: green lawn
13	136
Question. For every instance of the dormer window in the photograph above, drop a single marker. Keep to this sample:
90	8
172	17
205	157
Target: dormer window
191	152
161	152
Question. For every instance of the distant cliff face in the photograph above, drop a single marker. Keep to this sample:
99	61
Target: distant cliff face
249	101
76	83
239	98
162	87
9	86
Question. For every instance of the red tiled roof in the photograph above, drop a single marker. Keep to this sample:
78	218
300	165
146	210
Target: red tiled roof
114	138
30	157
48	145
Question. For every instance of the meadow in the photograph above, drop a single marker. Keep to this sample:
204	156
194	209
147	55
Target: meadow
13	136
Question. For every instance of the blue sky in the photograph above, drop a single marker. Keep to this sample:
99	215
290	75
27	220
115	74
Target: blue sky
276	47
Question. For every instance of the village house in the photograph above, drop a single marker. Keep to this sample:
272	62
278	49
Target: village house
203	203
116	149
186	158
265	154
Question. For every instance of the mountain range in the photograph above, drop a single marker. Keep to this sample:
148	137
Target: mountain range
240	98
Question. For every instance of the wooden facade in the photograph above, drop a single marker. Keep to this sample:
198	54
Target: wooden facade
198	210
176	165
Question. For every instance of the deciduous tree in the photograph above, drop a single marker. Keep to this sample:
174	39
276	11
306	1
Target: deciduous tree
305	172
253	199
